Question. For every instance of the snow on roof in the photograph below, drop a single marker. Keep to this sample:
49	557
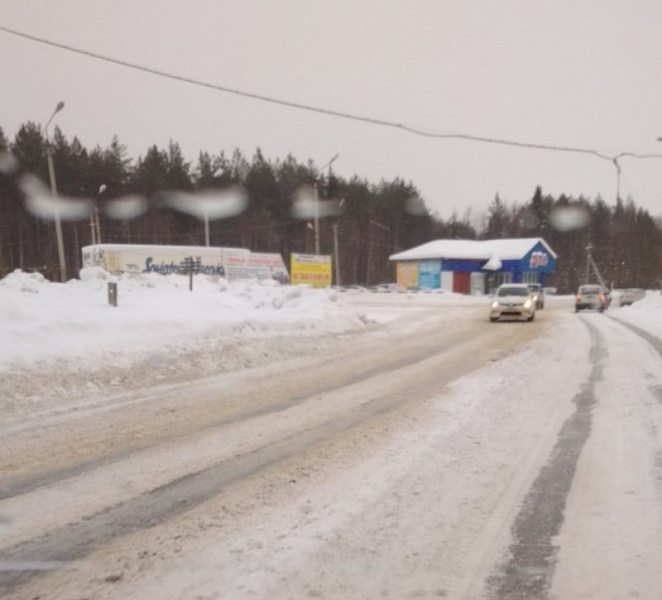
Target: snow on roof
494	264
507	249
156	248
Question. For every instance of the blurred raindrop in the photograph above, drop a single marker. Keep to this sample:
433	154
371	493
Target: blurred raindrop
210	204
415	206
126	207
569	218
526	218
9	165
305	206
41	203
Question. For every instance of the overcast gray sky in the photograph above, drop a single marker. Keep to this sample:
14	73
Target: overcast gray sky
584	75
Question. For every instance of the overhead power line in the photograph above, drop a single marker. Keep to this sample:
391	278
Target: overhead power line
326	111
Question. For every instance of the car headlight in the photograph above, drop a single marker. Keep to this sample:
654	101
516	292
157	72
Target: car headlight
527	304
495	304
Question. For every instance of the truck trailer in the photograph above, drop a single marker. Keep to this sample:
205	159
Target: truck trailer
231	263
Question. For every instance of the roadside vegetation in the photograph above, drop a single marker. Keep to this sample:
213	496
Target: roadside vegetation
377	219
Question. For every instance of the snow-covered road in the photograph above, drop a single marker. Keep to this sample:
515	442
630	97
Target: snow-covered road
449	458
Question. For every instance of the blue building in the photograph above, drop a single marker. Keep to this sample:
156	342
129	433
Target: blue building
474	267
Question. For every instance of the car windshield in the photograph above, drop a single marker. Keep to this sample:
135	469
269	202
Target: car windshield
513	291
534	287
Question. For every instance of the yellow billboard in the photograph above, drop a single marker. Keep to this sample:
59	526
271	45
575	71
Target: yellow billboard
407	274
310	269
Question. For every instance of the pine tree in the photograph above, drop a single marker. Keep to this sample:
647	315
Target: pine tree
497	219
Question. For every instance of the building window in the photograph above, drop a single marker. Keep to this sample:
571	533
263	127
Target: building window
494	279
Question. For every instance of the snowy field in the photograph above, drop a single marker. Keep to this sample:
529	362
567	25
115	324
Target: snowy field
59	342
72	324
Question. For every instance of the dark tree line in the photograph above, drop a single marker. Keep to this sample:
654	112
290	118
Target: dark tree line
377	219
625	241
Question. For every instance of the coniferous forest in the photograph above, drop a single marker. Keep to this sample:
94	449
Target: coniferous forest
377	218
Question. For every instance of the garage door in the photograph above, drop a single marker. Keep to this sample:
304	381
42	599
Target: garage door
462	283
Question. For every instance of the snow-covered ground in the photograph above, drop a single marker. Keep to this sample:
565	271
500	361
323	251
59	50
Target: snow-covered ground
358	523
62	341
74	322
73	325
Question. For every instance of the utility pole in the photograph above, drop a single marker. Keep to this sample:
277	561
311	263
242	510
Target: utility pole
316	201
51	175
191	266
590	263
335	252
316	221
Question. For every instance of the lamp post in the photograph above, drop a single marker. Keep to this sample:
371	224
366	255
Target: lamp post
316	221
336	254
95	224
317	229
615	162
618	178
588	262
218	173
51	175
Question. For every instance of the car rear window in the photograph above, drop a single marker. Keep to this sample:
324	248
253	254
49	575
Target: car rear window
590	289
513	291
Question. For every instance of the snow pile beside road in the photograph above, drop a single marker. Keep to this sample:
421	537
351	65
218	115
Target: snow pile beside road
41	321
645	313
651	301
65	340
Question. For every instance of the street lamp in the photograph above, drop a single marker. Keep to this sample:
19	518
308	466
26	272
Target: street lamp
51	174
95	224
614	160
317	229
618	178
218	173
336	254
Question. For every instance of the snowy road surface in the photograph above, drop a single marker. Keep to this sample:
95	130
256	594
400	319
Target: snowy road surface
443	459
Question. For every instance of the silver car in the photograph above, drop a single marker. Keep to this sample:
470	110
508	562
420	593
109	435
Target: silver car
592	297
539	294
513	302
630	296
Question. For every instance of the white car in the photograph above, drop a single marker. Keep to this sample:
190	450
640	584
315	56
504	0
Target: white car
514	302
539	294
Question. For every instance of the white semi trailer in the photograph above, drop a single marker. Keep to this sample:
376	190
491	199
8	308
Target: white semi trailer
232	263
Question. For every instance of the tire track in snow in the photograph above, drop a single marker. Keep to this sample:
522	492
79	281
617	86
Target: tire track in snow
528	569
365	369
77	540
